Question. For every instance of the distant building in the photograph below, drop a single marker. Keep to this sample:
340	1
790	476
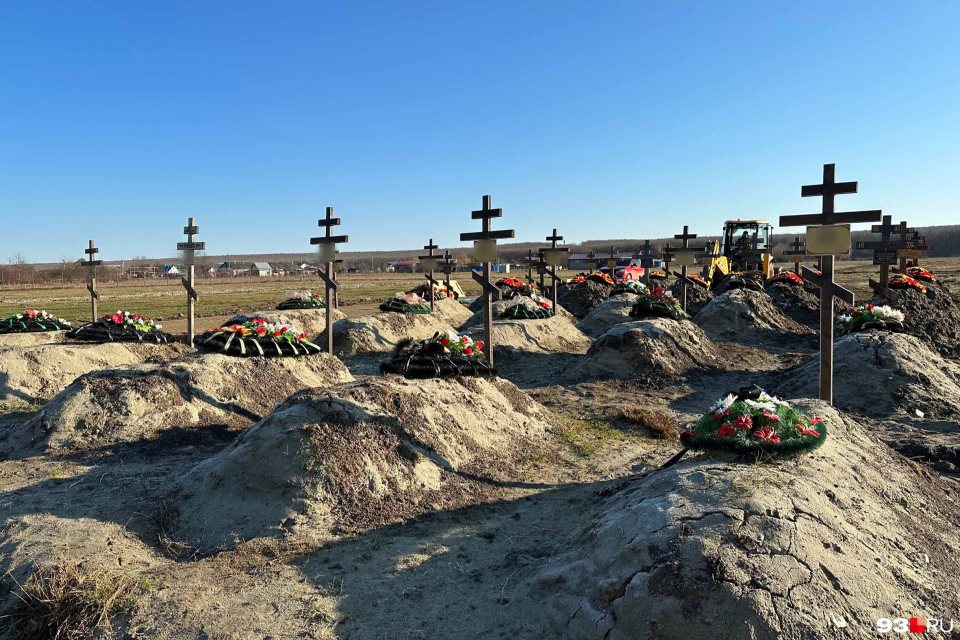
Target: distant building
261	269
168	271
231	269
405	266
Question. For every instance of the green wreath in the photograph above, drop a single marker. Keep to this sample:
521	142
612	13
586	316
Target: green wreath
395	305
32	322
656	307
753	421
520	312
291	304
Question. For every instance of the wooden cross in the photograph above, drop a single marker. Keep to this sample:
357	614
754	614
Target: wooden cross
591	259
328	255
685	250
668	253
432	262
486	214
92	263
448	266
541	267
918	244
612	262
798	250
189	248
647	253
828	288
884	254
530	266
551	270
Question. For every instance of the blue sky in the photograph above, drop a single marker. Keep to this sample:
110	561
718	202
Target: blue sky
605	119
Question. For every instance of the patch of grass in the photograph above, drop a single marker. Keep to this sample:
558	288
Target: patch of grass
587	436
67	601
659	423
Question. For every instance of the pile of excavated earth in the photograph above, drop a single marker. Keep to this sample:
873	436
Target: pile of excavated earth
300	497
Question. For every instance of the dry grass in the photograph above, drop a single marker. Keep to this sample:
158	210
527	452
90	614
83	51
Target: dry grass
659	423
66	601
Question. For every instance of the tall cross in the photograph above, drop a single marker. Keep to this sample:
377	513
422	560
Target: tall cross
92	263
431	261
489	239
448	266
828	217
797	249
686	257
328	255
884	253
918	246
530	266
189	249
550	266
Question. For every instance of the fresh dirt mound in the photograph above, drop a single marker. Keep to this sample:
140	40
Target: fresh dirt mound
877	373
556	334
815	547
580	299
697	297
796	302
382	331
452	312
311	321
34	373
744	315
499	306
361	455
13	340
611	312
935	317
644	347
136	403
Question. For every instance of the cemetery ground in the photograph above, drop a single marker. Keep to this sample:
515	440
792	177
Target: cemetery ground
529	506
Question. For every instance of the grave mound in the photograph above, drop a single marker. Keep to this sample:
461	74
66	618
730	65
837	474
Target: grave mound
382	332
531	307
634	287
121	326
257	337
583	297
510	287
131	404
439	292
302	300
745	315
445	355
935	317
752	280
405	303
656	346
879	373
555	334
358	456
808	547
312	321
797	302
697	296
657	304
611	312
33	321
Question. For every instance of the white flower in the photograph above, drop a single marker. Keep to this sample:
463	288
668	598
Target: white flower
889	313
762	406
723	403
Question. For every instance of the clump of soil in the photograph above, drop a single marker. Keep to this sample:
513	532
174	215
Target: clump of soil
611	312
644	347
36	372
799	304
361	455
812	547
138	403
748	316
582	298
935	317
879	373
697	297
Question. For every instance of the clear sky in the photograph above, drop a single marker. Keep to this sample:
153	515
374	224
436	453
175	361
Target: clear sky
605	119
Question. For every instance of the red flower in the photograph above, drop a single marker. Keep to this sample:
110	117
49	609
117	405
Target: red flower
743	421
725	431
283	329
302	336
479	344
444	341
767	435
277	334
31	314
468	351
807	431
771	417
261	331
720	415
117	318
464	339
815	420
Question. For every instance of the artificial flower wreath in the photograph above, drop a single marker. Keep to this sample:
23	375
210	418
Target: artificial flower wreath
406	303
121	326
658	274
302	300
440	292
752	420
752	280
531	307
601	278
700	280
919	273
903	281
445	355
865	317
659	303
787	277
32	321
256	337
635	287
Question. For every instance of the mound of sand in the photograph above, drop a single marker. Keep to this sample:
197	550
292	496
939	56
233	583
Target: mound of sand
581	299
656	346
697	297
877	373
747	316
36	372
611	312
934	317
136	403
556	334
810	548
360	455
382	331
13	340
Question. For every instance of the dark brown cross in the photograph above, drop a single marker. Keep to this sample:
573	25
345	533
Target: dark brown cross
884	254
828	288
541	266
328	251
685	247
591	259
918	246
551	270
647	254
447	268
92	263
612	261
432	259
797	250
486	215
189	248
